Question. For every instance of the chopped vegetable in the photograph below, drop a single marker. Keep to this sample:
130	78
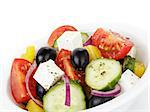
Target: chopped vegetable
94	52
55	45
30	54
33	107
85	37
111	44
17	80
129	63
27	79
103	74
64	62
139	69
54	99
88	42
110	93
135	66
68	96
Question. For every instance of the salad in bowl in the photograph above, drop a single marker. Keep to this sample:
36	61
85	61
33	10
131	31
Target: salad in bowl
75	71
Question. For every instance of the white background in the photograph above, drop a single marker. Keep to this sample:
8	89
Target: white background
22	21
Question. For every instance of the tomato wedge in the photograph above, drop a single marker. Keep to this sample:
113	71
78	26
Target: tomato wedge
58	32
111	45
32	84
63	61
17	81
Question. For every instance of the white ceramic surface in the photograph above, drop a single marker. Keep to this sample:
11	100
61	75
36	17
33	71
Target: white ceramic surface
119	104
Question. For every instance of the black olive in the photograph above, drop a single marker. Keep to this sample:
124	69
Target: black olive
40	91
44	54
80	58
95	100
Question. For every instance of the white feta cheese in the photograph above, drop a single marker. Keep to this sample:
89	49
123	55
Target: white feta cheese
47	74
132	52
128	79
70	40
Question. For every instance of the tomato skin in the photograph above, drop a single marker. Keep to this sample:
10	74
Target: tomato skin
64	62
32	84
63	54
58	32
17	81
119	55
111	45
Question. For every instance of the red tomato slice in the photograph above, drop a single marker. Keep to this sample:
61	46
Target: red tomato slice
32	84
17	81
111	45
58	32
63	61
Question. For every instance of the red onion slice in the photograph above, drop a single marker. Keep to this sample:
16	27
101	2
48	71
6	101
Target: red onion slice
110	93
68	95
88	42
29	73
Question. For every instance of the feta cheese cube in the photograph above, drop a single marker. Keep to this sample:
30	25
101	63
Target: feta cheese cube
128	79
47	74
70	40
132	52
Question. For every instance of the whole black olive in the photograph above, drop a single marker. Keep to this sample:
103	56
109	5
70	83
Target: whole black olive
79	58
95	100
44	54
40	91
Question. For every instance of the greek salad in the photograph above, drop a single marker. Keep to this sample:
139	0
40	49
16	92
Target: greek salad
74	71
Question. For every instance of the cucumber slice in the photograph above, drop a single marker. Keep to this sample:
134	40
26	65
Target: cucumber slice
103	74
54	100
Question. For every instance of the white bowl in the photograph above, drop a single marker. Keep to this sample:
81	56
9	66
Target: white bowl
122	102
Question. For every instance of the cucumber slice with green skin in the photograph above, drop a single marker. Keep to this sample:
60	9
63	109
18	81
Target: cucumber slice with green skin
103	74
54	100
